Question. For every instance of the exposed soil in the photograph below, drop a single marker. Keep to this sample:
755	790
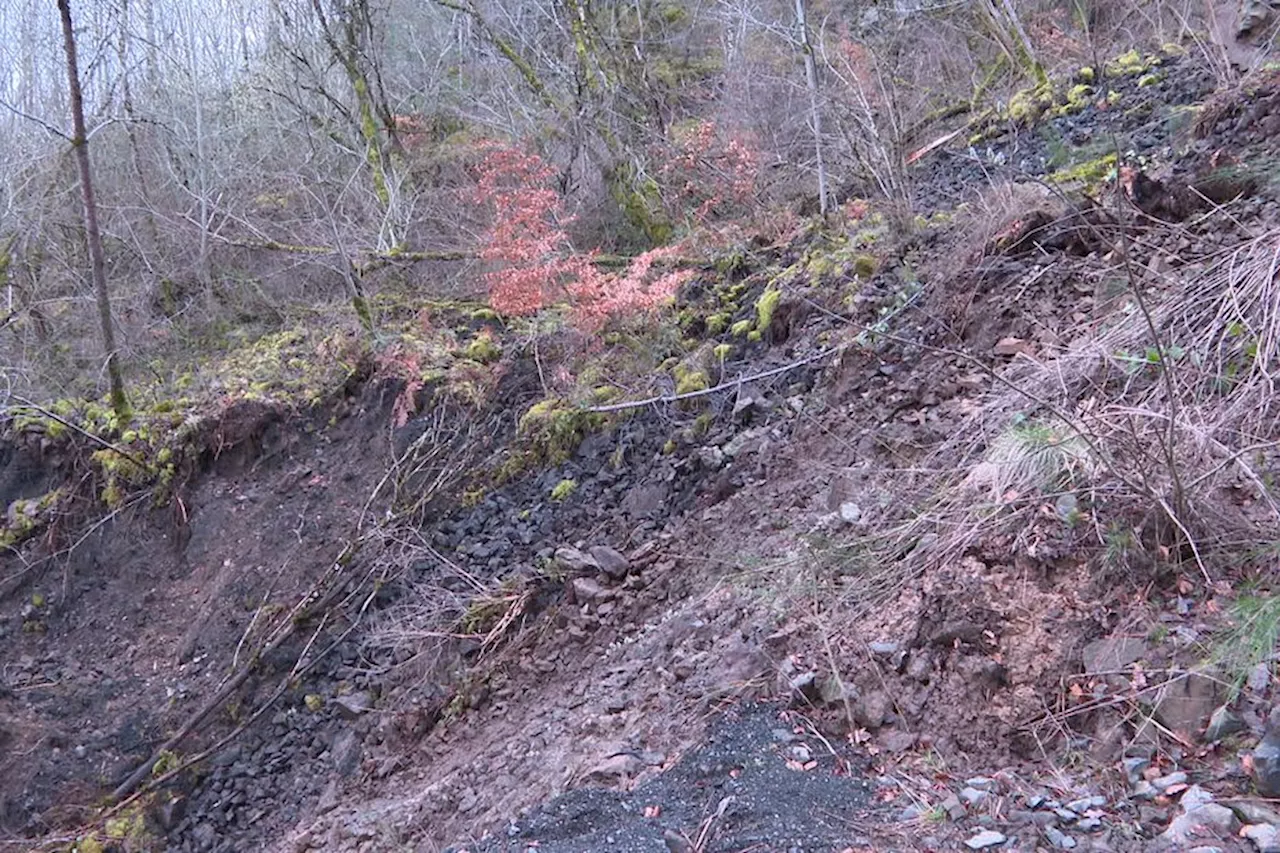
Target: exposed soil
745	679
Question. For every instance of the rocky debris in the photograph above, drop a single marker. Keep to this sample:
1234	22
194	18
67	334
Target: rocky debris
1223	722
1264	836
610	562
353	705
1266	758
1201	820
986	839
1185	704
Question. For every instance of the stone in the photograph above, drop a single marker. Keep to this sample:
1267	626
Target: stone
982	783
1201	820
1259	678
898	741
1252	811
872	709
610	561
850	512
1184	705
805	687
986	839
1264	836
1266	761
834	690
1133	768
1164	783
1083	804
574	560
954	808
1223	722
1059	839
883	649
615	768
972	796
354	705
587	590
1112	655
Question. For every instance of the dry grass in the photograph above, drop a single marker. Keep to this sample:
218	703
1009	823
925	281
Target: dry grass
1165	421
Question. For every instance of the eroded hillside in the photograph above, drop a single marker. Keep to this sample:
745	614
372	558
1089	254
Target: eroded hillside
887	536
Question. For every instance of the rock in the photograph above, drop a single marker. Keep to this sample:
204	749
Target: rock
645	500
1184	705
835	691
1059	839
587	590
1164	783
1109	656
985	839
981	783
346	752
1201	819
872	709
954	808
1265	837
1252	811
897	741
744	407
1259	678
1223	722
615	768
1133	768
353	705
711	457
804	687
610	562
573	560
850	512
1266	760
1083	804
972	796
883	649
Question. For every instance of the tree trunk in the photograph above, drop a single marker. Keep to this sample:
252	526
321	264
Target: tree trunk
815	106
80	144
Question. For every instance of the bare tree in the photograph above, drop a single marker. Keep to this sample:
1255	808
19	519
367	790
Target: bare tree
815	106
98	265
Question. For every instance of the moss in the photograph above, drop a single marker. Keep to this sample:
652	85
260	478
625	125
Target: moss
740	328
1029	104
702	424
1149	80
563	490
484	315
689	381
1126	64
483	349
90	844
552	429
1079	97
717	323
865	266
754	336
1086	74
669	448
1087	173
472	497
722	352
765	306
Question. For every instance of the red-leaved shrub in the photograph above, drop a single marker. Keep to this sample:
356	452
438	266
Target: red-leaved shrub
532	261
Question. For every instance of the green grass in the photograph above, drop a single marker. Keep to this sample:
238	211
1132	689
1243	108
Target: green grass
1255	620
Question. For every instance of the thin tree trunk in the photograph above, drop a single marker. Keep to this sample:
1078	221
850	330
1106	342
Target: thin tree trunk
815	110
80	144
